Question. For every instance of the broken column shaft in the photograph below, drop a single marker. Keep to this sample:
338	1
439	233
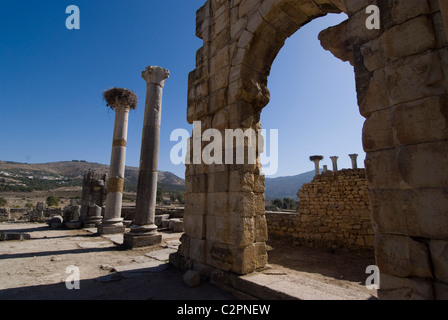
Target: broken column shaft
316	160
334	160
121	100
144	231
353	157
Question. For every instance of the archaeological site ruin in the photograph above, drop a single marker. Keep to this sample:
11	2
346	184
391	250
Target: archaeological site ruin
401	84
397	206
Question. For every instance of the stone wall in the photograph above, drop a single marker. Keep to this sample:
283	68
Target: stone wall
4	214
127	213
333	212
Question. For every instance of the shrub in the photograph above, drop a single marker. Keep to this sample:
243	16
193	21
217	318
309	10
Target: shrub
52	201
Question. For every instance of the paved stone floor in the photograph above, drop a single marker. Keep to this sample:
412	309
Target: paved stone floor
37	269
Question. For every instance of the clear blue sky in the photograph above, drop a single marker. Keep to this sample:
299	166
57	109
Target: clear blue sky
52	79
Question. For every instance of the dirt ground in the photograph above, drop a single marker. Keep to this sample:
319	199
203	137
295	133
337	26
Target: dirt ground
37	268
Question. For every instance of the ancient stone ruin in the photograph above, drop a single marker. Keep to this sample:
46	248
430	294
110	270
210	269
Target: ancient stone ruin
93	199
401	72
401	84
333	212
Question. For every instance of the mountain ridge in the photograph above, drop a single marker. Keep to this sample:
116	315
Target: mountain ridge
288	186
69	173
39	176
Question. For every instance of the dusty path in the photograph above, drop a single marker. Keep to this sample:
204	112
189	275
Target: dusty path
36	269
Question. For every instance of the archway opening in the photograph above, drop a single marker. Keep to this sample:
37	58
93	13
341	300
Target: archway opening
313	106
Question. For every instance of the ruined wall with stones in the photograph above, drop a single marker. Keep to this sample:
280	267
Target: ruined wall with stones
333	212
4	214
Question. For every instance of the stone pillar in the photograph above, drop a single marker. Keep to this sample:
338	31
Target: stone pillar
325	168
93	193
121	100
316	160
354	163
334	160
144	231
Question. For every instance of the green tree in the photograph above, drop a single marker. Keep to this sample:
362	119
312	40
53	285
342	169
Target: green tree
52	201
278	203
180	197
159	196
289	204
3	202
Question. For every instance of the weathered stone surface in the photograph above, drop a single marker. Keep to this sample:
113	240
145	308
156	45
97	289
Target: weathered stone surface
11	236
400	73
395	288
141	240
410	121
440	290
191	278
439	258
333	211
402	257
176	225
411	212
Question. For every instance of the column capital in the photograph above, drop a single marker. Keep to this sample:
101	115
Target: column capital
156	75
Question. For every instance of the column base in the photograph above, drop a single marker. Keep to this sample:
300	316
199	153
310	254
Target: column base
111	229
135	240
92	221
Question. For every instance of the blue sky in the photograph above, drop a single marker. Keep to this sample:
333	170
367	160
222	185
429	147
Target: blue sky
52	79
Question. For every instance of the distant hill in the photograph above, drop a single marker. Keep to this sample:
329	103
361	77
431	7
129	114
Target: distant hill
16	176
286	187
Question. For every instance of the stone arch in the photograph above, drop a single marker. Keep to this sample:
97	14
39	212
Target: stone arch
400	73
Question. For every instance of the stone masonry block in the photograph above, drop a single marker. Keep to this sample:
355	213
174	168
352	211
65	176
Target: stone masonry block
402	257
439	257
416	213
242	204
194	225
396	288
424	165
410	121
377	131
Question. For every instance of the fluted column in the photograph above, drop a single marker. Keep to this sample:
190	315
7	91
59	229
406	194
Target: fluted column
121	100
144	231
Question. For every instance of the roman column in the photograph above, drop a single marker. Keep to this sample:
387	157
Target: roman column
120	100
334	160
353	158
316	160
143	231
